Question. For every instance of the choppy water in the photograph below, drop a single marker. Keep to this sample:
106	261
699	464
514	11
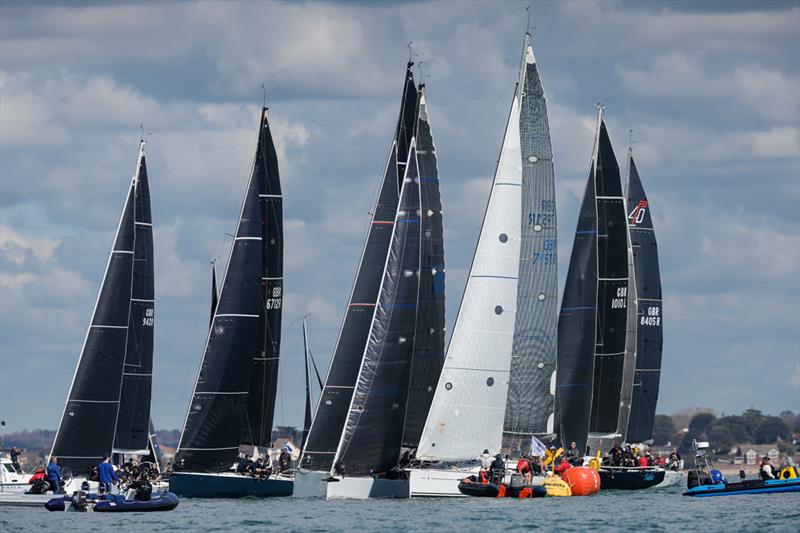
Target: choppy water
665	510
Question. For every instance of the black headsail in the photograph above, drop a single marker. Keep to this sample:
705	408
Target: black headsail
87	427
133	419
257	429
370	442
218	407
332	408
428	356
591	328
647	298
214	294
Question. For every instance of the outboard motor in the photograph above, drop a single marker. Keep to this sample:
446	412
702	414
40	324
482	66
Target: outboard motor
517	481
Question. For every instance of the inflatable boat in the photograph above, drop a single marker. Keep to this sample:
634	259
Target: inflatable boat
112	503
474	486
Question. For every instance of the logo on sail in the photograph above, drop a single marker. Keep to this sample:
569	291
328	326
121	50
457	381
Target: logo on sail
637	215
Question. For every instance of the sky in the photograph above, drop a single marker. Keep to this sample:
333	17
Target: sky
711	90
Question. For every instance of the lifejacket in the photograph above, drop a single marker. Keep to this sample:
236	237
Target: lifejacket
564	466
523	466
643	461
37	475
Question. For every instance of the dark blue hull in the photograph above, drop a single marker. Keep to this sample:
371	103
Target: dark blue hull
755	486
629	478
227	485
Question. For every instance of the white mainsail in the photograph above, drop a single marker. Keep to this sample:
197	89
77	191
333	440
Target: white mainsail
469	405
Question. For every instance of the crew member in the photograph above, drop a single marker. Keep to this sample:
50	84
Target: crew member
524	468
574	455
284	460
497	470
766	469
106	474
144	489
54	475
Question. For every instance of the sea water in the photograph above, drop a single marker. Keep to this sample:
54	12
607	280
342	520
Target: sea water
645	510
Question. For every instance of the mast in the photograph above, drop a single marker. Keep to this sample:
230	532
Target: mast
372	433
334	403
648	305
133	414
218	408
87	428
428	356
469	403
307	375
530	404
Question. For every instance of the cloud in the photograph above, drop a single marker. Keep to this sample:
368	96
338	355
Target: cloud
711	94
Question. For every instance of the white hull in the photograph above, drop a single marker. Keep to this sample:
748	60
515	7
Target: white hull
437	483
21	498
671	478
317	485
443	483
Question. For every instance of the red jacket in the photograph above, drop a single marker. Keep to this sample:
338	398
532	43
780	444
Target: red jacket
643	461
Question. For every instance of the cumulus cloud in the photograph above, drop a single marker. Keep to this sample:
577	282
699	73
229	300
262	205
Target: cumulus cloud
712	97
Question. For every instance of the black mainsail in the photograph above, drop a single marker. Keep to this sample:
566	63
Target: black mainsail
237	340
334	403
88	424
133	418
647	300
428	356
257	429
370	442
592	322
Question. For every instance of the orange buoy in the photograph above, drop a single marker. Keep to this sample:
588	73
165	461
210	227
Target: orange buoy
582	480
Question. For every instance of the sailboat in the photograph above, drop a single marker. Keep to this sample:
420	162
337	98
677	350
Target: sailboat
647	330
592	327
390	347
500	362
234	394
108	407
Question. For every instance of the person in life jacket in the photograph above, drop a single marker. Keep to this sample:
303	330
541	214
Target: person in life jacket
524	468
561	465
144	489
106	474
765	470
54	475
643	461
